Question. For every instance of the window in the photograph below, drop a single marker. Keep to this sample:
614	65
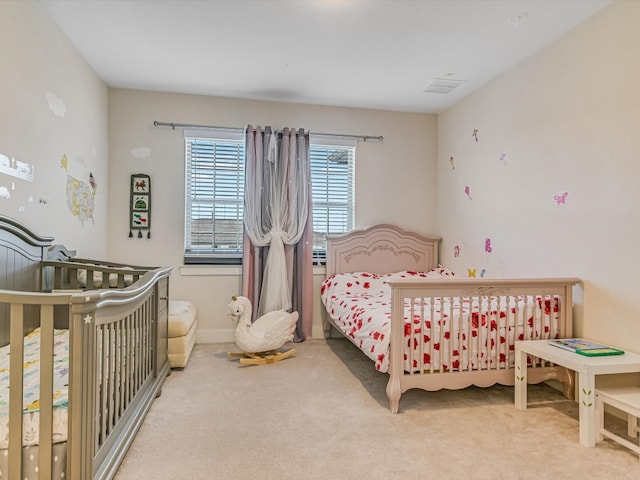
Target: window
332	187
214	194
214	197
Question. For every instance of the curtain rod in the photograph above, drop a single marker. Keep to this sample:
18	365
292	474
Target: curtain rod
364	138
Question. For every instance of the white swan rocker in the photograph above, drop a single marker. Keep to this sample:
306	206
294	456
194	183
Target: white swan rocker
260	340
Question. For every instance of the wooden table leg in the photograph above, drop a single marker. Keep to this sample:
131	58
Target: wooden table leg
587	413
520	384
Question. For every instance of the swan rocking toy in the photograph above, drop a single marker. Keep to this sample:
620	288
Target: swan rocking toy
260	340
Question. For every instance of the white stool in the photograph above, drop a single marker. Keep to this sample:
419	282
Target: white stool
626	399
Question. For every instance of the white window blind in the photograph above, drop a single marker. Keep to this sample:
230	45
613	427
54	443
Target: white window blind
214	194
332	187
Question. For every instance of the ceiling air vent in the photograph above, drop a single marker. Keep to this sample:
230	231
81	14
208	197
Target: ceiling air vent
442	85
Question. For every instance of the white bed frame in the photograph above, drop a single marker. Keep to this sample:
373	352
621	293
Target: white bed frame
387	248
118	349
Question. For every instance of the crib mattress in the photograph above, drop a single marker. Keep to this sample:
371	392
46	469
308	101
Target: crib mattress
360	306
31	389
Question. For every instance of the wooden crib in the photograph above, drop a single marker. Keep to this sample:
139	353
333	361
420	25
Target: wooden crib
116	316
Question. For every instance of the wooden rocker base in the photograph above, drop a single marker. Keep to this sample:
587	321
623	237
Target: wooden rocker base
261	358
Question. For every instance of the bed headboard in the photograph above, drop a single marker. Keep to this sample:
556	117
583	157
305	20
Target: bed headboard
381	248
21	254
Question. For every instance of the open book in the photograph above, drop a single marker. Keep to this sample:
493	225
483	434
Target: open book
585	347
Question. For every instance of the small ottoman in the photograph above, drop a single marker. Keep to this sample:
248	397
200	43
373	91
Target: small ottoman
182	332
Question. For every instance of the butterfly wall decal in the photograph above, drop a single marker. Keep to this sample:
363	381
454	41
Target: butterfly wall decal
471	272
561	199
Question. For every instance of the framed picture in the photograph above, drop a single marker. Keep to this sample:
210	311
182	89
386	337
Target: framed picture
140	183
140	205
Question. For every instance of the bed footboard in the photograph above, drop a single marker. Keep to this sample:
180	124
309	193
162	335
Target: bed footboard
463	332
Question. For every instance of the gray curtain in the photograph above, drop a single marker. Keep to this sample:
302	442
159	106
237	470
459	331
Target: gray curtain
277	267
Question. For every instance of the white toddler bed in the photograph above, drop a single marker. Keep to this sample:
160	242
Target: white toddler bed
428	329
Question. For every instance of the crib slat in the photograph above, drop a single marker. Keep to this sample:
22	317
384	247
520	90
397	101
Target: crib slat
16	371
46	392
102	431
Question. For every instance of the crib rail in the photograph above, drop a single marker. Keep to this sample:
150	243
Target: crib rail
79	273
115	372
454	349
24	307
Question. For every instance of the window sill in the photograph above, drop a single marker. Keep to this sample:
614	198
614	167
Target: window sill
210	270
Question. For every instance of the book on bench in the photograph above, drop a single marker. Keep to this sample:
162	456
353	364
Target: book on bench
585	347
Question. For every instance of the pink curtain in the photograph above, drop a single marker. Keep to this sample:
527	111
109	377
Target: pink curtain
277	267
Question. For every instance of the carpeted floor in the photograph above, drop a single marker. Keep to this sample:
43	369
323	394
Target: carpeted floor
322	414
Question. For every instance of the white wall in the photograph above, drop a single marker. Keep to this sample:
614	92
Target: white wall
567	120
395	180
38	60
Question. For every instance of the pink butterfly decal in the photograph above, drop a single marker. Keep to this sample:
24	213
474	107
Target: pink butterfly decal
456	251
487	245
467	190
561	199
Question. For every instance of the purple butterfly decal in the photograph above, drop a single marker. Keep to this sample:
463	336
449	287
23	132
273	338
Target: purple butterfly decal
487	245
456	251
561	199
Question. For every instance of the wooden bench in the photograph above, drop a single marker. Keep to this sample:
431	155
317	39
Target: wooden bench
626	399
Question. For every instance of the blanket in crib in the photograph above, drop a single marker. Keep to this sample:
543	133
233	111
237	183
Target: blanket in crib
31	387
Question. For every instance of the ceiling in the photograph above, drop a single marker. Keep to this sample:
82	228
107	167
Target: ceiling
378	54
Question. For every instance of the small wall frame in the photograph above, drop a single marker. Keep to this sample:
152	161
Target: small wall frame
140	205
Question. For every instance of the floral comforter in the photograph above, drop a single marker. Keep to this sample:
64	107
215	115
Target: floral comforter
465	333
31	388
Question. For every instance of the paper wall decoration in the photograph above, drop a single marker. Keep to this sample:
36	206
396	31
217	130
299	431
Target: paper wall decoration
16	168
475	134
561	199
81	195
140	205
487	245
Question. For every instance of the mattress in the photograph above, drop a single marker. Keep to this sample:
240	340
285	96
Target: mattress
360	307
31	389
